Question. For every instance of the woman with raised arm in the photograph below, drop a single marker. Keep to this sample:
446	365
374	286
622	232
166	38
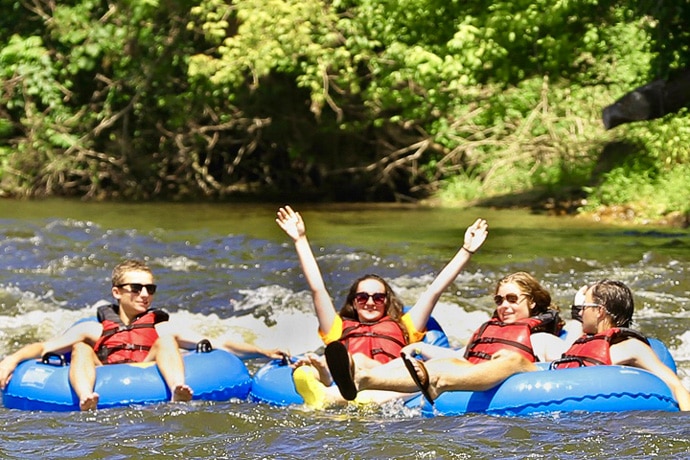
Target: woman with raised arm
371	324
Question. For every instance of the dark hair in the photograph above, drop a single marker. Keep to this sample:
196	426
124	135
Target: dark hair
531	288
394	306
616	298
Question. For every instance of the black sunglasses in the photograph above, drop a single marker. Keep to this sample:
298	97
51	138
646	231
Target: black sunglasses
584	306
511	298
363	297
136	288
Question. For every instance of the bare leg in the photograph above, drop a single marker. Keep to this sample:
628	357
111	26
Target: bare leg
381	396
396	387
445	374
308	379
453	374
169	360
318	396
391	376
82	375
364	362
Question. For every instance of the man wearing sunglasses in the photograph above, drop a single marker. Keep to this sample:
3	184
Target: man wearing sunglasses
130	331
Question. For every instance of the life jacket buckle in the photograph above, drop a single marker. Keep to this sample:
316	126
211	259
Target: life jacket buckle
204	346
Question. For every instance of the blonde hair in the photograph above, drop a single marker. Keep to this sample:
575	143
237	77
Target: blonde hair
128	266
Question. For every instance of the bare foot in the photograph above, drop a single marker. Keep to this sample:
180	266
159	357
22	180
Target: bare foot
182	392
319	363
89	402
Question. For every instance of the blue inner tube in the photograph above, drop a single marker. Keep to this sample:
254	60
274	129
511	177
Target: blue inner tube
591	389
215	375
663	354
272	383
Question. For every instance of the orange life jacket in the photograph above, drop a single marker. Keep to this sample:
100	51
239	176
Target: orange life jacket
595	350
495	335
120	343
381	340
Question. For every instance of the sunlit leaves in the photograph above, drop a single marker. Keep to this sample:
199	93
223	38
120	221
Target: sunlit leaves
174	83
25	63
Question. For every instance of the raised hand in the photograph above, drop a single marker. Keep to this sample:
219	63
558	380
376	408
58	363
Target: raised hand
291	222
476	235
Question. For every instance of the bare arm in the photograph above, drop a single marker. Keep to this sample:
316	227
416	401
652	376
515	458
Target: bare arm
248	351
547	346
475	235
8	365
87	331
633	352
292	224
188	339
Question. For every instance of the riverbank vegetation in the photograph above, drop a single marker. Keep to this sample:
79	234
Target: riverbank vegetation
356	100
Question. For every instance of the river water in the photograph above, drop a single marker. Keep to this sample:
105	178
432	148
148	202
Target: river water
229	271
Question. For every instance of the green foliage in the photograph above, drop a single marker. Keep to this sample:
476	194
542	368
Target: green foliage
26	60
273	35
622	184
652	180
649	193
392	100
666	139
462	189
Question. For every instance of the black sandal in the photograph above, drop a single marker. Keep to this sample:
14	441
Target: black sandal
342	369
422	383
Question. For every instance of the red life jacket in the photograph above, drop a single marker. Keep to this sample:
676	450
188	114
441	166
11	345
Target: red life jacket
120	343
495	335
381	340
595	350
